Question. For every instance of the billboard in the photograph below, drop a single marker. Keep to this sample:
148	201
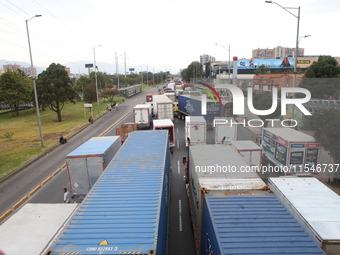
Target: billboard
270	63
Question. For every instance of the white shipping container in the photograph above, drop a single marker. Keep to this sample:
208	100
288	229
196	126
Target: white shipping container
195	130
142	115
224	130
86	163
34	227
249	150
314	205
163	107
166	124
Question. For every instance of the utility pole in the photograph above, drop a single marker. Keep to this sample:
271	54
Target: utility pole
124	64
117	69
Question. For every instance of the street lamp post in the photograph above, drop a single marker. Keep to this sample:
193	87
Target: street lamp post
228	60
95	74
297	42
34	85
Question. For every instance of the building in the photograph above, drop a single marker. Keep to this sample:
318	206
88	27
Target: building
265	82
276	53
26	70
206	58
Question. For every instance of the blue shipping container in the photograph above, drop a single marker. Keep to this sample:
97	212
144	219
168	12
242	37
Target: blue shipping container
126	211
192	106
247	225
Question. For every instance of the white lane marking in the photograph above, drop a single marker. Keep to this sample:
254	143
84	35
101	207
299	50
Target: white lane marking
180	214
177	143
177	130
178	167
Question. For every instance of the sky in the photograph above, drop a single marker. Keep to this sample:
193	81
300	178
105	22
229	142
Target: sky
160	35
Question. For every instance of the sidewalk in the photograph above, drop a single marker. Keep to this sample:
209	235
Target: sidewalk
325	158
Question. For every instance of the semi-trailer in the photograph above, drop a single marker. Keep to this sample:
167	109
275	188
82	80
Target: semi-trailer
195	130
166	124
163	107
253	222
142	115
293	151
126	212
33	228
315	206
87	162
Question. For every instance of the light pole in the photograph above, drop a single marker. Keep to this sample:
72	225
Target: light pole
34	85
228	60
95	74
297	42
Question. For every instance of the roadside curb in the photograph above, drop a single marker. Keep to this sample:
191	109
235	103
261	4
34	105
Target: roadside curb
24	166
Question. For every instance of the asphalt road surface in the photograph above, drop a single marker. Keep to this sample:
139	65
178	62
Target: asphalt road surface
180	239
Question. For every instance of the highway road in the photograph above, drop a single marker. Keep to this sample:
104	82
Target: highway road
180	239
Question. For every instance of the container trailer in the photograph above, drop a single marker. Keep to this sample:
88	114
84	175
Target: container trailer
315	206
166	124
250	151
195	130
34	227
163	107
126	212
86	163
125	130
293	151
252	222
224	129
217	170
142	115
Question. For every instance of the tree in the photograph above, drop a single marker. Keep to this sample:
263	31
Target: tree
262	70
90	93
194	70
54	88
14	90
110	93
326	123
322	78
264	101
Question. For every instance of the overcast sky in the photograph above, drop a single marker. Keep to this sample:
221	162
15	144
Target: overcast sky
160	34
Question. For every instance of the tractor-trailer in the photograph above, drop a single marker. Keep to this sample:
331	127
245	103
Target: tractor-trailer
190	105
250	151
166	124
34	227
225	130
195	130
293	151
217	169
163	107
315	206
254	222
126	211
86	163
142	115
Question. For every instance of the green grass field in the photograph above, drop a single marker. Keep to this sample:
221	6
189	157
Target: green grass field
25	144
20	139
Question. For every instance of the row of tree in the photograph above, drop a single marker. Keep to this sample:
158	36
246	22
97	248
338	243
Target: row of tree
55	87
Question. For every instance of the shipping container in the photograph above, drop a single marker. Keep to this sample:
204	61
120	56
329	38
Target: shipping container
86	163
190	105
252	223
171	95
142	115
250	151
314	205
163	107
195	130
294	151
166	124
126	212
33	227
217	169
125	129
225	130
